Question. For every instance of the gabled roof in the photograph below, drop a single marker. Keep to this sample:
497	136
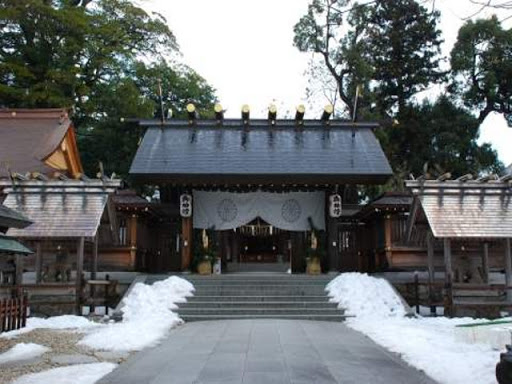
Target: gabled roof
387	202
471	209
10	218
10	245
29	137
60	209
232	152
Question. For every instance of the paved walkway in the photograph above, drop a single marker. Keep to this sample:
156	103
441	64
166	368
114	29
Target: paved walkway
265	352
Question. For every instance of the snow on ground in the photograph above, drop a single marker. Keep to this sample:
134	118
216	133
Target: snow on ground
73	374
429	344
22	351
147	317
56	322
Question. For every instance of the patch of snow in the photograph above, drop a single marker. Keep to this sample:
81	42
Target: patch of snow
362	295
22	351
429	344
56	322
147	317
73	374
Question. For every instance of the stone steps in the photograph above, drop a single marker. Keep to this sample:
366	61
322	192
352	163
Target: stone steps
337	317
257	304
278	296
253	298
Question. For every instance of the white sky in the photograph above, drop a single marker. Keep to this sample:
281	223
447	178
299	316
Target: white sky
244	48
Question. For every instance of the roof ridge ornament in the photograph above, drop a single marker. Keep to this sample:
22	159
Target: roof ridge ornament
219	112
299	114
328	111
246	111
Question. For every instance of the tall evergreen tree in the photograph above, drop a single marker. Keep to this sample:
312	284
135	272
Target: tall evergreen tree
86	55
482	67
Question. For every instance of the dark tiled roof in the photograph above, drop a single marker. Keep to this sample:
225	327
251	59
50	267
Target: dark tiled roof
11	218
393	199
466	210
129	198
28	137
260	153
12	246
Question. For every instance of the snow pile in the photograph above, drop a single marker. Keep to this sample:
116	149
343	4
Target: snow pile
429	344
56	322
76	374
147	317
22	351
362	295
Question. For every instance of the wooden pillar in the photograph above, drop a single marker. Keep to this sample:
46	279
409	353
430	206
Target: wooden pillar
431	270
94	270
508	270
39	262
79	270
332	263
485	263
186	236
448	305
19	270
133	240
388	238
94	260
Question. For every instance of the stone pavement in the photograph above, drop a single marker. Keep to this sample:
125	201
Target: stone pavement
265	352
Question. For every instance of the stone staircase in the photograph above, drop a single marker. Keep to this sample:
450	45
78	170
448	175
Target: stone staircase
259	296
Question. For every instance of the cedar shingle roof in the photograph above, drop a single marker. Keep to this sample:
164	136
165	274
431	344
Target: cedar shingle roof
233	152
28	137
465	210
60	209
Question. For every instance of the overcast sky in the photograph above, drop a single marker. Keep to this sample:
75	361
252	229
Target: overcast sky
244	48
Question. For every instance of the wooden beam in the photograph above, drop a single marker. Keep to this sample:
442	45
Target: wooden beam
39	262
79	270
186	236
412	218
431	269
508	270
485	263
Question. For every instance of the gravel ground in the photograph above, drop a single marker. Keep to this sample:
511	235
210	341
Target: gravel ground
60	342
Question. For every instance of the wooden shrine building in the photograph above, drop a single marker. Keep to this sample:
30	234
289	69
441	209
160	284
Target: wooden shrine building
70	219
258	184
38	141
467	224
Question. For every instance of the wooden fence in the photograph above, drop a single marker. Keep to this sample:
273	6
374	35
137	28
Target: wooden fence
485	300
13	314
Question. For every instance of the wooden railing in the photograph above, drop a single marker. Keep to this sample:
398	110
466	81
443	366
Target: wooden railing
458	295
13	314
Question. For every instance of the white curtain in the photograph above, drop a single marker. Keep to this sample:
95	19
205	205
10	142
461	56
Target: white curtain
289	211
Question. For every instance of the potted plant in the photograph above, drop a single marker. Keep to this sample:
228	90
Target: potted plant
204	266
204	255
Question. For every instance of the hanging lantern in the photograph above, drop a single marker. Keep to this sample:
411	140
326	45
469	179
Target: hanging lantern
186	205
335	207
